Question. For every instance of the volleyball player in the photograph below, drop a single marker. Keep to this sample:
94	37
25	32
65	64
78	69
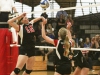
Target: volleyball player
27	48
81	62
63	63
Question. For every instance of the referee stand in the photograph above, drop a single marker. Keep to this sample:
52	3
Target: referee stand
3	51
8	55
12	53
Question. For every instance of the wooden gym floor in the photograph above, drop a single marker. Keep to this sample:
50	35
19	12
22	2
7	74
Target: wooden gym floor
50	71
95	72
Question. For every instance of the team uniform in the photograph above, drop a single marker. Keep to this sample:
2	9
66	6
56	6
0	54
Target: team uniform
63	64
80	60
27	33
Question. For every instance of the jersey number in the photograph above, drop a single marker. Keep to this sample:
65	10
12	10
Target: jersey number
29	29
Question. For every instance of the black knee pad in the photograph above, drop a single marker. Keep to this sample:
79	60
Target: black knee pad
28	71
16	70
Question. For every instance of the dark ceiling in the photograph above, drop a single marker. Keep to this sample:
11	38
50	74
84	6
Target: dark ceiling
62	3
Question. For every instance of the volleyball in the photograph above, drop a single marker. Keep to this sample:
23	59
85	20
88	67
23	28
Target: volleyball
44	4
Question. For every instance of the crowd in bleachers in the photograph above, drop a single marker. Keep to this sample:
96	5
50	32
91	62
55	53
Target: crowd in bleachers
93	42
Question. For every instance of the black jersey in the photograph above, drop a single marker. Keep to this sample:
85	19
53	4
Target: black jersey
63	63
27	35
60	51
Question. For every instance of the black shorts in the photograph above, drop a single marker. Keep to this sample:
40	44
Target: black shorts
28	51
81	61
84	64
63	69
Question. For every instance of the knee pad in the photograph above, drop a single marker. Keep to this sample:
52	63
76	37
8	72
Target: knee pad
16	70
28	71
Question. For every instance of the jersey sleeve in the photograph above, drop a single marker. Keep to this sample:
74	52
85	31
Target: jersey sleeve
55	42
14	35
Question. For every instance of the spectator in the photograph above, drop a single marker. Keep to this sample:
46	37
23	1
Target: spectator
86	53
50	31
60	24
63	12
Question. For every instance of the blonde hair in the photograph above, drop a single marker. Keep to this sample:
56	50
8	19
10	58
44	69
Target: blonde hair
63	36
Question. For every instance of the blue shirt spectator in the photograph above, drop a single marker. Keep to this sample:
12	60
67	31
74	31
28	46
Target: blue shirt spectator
61	12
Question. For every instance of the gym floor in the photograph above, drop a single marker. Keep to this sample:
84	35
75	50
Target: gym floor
95	72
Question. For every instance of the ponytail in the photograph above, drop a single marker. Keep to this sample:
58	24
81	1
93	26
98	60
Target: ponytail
62	34
66	46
